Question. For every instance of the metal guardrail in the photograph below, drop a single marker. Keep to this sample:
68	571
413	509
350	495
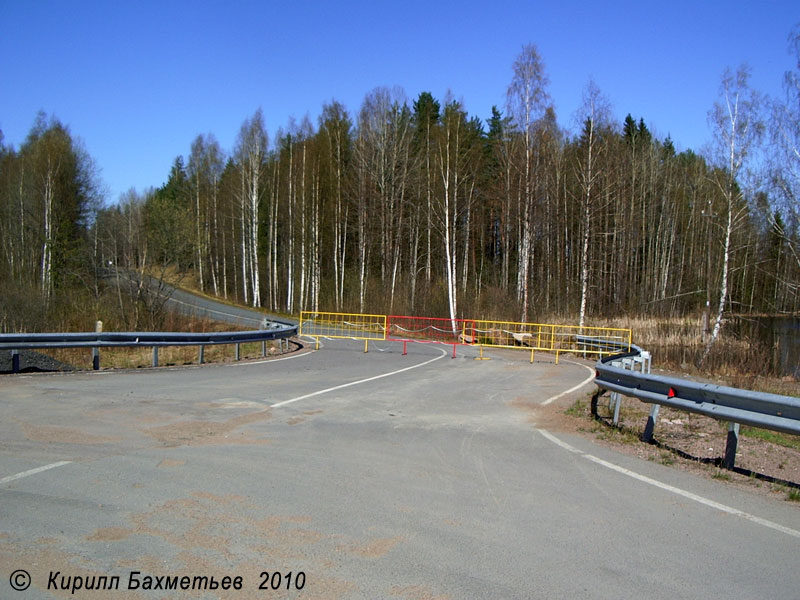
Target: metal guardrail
23	341
736	406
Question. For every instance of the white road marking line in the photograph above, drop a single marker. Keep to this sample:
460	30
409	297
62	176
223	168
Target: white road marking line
34	471
558	442
695	497
345	385
572	389
671	488
267	360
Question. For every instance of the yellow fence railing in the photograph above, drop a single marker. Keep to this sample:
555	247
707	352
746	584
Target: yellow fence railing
550	338
558	339
352	326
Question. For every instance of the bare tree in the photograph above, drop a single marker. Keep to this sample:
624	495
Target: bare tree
204	171
738	126
251	154
595	114
527	100
383	149
334	129
784	157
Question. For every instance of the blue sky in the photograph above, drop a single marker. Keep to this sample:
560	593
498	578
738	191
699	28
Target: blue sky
138	81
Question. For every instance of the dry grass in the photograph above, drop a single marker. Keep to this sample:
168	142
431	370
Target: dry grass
135	358
677	345
138	357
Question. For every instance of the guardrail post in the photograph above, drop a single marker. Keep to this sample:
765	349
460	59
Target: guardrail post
155	356
647	436
238	351
617	402
263	348
730	447
202	354
15	361
98	328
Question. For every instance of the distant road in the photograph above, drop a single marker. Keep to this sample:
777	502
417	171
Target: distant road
201	306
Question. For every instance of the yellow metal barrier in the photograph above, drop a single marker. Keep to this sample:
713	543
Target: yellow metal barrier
557	339
343	325
550	338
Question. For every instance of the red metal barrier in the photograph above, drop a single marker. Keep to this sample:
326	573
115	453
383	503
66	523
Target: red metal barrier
430	330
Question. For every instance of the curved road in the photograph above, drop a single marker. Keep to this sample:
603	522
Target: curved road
188	303
375	475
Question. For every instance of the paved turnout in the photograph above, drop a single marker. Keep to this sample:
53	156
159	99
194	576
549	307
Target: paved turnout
374	475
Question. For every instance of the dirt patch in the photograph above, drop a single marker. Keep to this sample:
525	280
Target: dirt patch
373	549
109	534
199	433
63	435
417	592
681	440
43	557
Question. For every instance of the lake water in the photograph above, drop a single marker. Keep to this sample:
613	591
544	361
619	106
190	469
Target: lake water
782	334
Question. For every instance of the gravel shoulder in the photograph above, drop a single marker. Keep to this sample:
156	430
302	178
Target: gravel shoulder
30	361
765	462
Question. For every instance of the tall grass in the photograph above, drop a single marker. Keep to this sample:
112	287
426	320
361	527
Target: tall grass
677	344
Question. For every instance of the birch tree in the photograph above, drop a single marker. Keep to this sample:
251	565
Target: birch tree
335	131
737	124
457	152
383	149
52	190
527	100
204	172
426	120
784	156
595	115
251	154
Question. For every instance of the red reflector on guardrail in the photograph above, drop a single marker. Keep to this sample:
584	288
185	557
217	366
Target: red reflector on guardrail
671	393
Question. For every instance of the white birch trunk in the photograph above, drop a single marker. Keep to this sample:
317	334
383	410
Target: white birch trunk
290	244
47	246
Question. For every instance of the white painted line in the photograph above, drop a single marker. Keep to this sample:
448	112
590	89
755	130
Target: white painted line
695	497
34	471
266	360
558	442
671	488
360	381
572	389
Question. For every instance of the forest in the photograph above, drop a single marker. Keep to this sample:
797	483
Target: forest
417	207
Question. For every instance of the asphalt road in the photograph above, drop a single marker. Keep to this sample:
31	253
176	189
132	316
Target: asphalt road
202	306
375	475
188	303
